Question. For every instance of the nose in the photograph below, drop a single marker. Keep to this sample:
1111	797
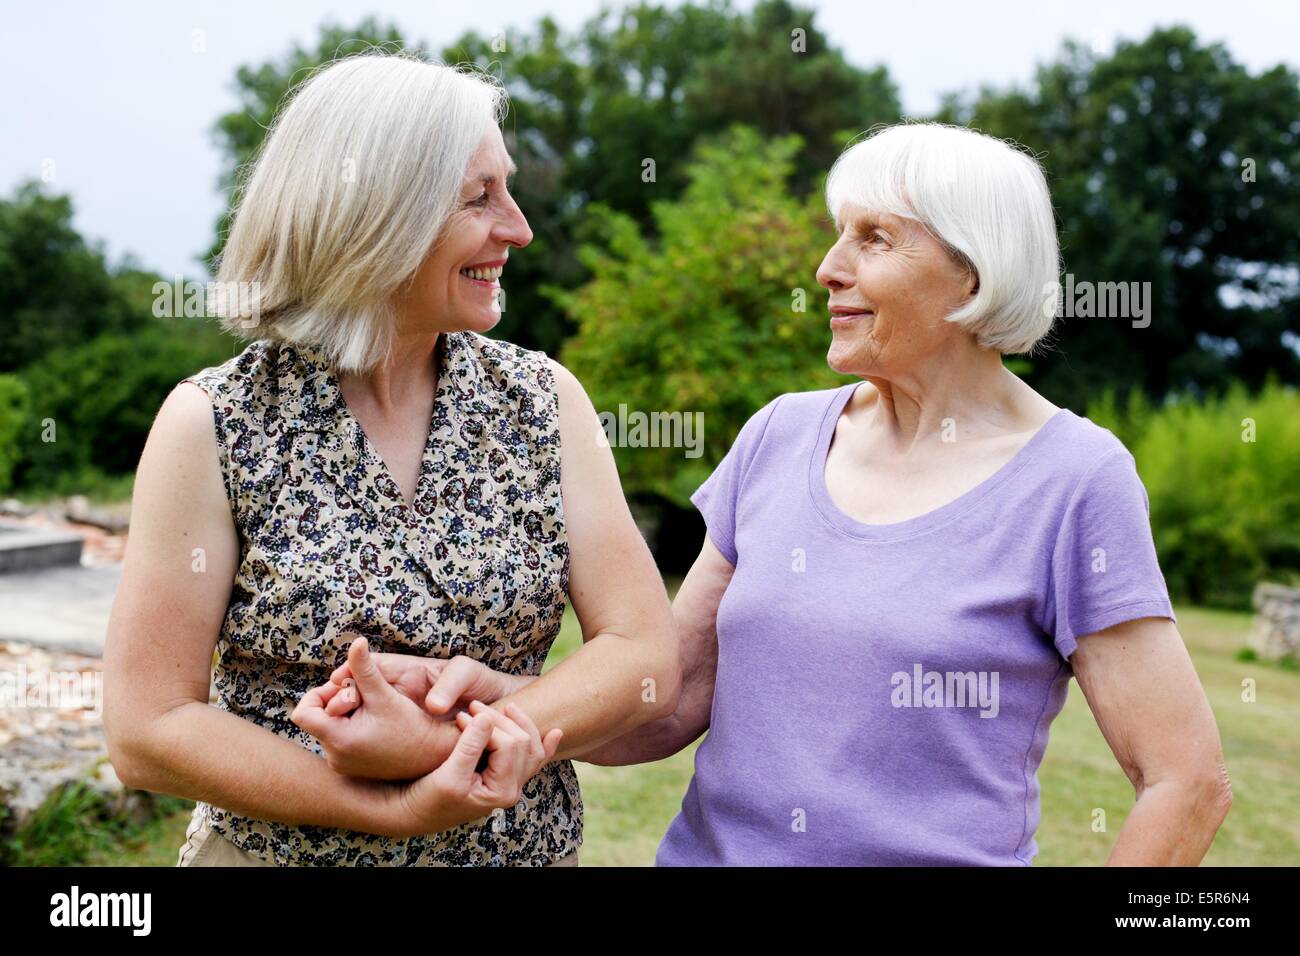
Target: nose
834	272
512	227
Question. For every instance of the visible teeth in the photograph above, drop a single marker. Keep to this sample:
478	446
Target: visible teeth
484	275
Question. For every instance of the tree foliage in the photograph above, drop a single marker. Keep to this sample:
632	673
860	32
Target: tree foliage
704	315
1150	152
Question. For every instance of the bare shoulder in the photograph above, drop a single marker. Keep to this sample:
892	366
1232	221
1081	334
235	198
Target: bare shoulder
576	409
180	469
566	383
184	422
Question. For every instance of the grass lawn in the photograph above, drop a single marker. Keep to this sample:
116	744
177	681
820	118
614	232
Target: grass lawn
629	808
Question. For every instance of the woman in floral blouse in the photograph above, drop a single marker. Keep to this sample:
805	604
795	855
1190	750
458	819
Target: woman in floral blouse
373	484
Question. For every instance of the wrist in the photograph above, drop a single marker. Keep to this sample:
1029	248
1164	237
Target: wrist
381	806
517	682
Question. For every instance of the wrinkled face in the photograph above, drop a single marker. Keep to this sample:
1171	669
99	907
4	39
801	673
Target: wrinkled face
456	287
891	284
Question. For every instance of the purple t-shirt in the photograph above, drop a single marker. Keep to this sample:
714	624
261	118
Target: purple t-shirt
884	692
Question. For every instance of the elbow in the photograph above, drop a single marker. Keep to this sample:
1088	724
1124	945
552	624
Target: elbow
1209	796
669	685
129	752
127	760
1218	794
659	688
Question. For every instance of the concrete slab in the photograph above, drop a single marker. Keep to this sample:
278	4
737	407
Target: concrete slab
62	608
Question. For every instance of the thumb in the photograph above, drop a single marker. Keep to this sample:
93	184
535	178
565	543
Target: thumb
366	672
464	757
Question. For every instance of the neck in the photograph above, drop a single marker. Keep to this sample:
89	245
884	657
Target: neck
968	385
410	373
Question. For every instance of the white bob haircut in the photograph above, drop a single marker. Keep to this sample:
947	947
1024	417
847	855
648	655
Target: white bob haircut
349	193
984	199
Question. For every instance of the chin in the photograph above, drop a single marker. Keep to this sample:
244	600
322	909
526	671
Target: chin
839	358
849	359
480	322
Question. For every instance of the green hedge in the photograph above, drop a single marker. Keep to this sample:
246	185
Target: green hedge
14	404
1223	477
98	401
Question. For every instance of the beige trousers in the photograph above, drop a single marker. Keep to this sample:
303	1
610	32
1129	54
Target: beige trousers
205	847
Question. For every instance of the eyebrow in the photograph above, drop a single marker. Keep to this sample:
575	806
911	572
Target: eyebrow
874	220
488	179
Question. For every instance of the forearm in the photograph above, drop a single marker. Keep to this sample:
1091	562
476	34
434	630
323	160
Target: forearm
1172	823
661	738
657	740
610	686
203	753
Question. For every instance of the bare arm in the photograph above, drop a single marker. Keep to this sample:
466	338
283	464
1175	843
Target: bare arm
1144	692
162	734
695	610
627	672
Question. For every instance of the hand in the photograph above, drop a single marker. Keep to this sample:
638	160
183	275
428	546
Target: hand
456	792
439	686
381	734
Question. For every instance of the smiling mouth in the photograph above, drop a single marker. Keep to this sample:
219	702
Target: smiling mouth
484	275
844	319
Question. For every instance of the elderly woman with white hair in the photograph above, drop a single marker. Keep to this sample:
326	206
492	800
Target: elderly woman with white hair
901	575
374	490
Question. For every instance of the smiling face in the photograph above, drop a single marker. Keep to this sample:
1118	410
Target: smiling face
891	284
457	285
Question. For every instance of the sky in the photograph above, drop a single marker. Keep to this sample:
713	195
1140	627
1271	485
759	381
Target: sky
112	103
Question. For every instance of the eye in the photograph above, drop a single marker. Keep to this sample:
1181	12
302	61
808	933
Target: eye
481	200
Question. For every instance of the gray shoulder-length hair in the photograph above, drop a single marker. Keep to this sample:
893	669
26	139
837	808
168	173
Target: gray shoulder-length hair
986	200
347	196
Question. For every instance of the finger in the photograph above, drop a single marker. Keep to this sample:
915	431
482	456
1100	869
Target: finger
517	747
383	661
506	766
502	721
454	683
310	713
341	701
551	744
525	723
312	700
464	757
370	682
498	739
341	672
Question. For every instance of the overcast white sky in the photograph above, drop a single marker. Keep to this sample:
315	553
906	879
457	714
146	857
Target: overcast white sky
114	95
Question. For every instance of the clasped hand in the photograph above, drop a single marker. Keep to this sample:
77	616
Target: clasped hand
406	718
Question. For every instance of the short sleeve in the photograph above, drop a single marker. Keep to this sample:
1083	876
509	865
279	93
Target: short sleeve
1104	567
716	499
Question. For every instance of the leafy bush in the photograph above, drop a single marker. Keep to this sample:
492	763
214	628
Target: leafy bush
99	399
14	400
704	318
1222	479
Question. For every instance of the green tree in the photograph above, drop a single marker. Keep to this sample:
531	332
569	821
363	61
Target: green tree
101	398
55	289
588	107
1148	152
647	83
14	399
704	316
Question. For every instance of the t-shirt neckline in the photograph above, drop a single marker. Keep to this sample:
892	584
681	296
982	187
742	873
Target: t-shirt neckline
922	523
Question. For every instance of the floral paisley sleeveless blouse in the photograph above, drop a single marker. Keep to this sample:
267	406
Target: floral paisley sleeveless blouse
329	550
